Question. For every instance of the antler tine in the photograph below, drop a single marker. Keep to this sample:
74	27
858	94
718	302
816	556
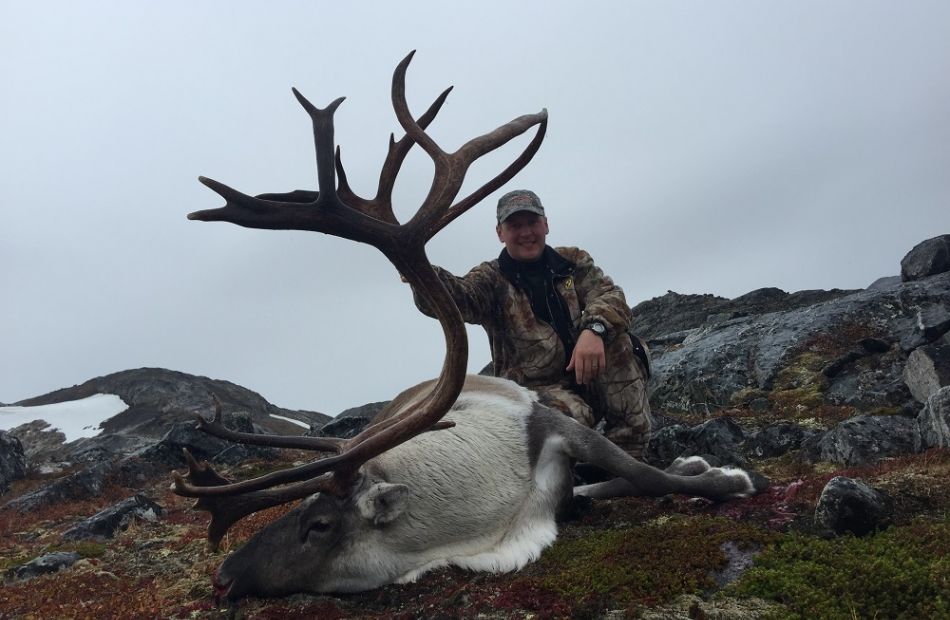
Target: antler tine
506	175
450	168
300	442
398	150
227	510
380	206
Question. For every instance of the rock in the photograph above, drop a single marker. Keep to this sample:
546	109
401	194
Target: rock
350	422
716	440
44	565
872	381
885	283
159	398
107	523
83	484
927	258
168	452
344	428
12	460
850	335
864	439
719	437
777	439
933	421
666	444
927	370
851	506
41	442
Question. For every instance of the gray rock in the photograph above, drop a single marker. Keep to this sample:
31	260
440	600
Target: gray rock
864	439
885	283
872	381
159	398
719	437
343	428
927	370
709	366
168	452
112	520
83	484
12	460
718	440
666	444
777	439
41	442
927	258
933	421
44	565
851	506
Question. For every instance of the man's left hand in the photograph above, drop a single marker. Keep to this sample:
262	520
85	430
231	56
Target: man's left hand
588	359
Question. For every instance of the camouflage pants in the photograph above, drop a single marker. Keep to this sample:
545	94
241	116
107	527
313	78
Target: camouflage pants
618	397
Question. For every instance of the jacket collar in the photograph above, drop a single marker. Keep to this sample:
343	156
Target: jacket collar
555	264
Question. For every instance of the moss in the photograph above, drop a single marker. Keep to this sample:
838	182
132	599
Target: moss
900	573
636	566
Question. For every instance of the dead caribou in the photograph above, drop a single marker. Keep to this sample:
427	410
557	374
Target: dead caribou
465	471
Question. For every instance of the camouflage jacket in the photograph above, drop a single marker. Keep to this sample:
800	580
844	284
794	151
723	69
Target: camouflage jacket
525	349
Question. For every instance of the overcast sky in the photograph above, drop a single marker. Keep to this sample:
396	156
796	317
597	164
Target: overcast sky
714	147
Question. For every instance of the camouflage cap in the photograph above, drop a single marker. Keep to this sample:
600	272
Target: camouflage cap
518	200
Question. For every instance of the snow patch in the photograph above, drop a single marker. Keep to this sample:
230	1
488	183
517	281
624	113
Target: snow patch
293	421
75	418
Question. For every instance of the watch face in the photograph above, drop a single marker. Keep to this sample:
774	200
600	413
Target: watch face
598	329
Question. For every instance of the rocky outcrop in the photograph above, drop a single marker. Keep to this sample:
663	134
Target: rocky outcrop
865	439
927	258
157	398
859	339
12	460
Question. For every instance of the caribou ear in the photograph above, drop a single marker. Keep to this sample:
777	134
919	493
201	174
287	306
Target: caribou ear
383	502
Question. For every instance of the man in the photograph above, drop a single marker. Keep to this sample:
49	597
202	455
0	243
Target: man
557	325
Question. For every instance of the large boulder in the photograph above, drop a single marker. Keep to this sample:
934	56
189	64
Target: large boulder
933	421
927	258
12	461
927	370
851	506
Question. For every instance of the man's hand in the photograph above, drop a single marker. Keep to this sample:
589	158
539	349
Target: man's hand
588	359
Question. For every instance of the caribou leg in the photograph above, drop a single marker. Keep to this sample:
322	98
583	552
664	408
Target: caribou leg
634	478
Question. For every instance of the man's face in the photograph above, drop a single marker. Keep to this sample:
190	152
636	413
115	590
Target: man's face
523	234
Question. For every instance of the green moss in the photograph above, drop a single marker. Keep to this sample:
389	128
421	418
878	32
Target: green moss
642	565
88	549
12	561
900	573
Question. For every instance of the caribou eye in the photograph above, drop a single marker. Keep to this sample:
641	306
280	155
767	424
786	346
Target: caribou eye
316	526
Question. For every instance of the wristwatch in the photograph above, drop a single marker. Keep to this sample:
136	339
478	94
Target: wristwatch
598	328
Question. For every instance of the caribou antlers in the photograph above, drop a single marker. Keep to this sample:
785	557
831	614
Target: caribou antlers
336	210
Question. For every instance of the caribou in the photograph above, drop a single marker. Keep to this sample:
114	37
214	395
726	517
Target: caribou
469	471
